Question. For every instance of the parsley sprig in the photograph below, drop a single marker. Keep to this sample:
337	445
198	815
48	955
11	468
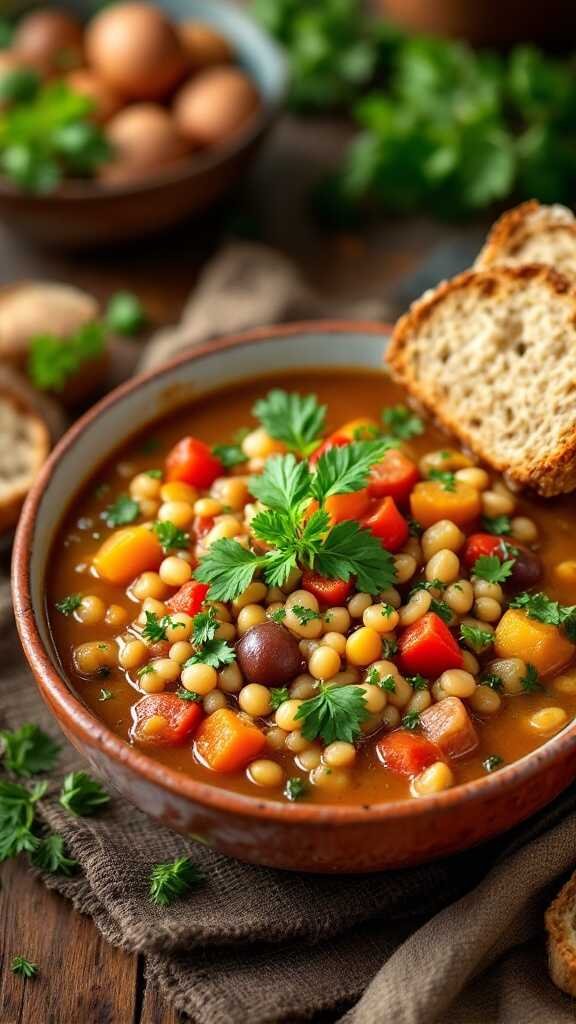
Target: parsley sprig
336	713
444	478
122	512
476	638
491	569
542	608
173	879
209	650
82	795
297	420
155	628
171	538
50	855
28	750
402	424
69	604
499	525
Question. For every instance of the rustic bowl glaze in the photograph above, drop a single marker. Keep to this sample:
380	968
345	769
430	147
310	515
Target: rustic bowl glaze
297	836
85	213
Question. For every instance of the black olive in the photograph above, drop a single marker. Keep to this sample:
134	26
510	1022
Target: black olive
269	654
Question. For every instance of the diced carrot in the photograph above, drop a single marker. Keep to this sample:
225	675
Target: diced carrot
225	742
192	461
126	553
189	598
327	592
165	719
394	477
430	502
347	506
388	524
428	648
406	753
449	726
537	643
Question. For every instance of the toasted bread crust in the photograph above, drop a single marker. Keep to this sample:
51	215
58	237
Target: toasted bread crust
39	422
554	472
560	923
518	226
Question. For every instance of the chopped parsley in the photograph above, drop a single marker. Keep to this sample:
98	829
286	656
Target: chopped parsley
155	629
23	967
28	750
125	313
170	536
531	681
402	423
493	681
156	474
209	650
418	682
411	721
230	455
475	637
295	789
389	647
386	683
441	609
278	694
427	585
491	569
105	695
499	525
50	856
444	478
336	713
122	512
17	813
542	608
304	615
415	528
191	695
297	420
69	604
82	795
278	615
493	763
173	879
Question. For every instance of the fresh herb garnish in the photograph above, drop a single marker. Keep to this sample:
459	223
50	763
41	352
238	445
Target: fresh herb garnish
444	478
17	812
23	967
493	681
441	609
278	615
28	750
389	647
278	694
427	585
418	682
52	361
125	314
295	788
50	856
531	681
209	650
105	695
173	879
491	569
402	423
69	604
411	721
386	683
230	455
499	525
492	763
82	795
542	608
191	695
123	511
155	629
171	538
304	615
297	420
155	474
336	713
475	637
415	528
344	469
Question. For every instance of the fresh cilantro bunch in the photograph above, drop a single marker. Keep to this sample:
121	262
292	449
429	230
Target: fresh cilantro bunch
296	533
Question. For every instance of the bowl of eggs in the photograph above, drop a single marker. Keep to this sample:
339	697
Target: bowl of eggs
118	124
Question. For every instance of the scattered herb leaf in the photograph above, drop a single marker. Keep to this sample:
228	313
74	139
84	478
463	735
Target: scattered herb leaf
336	713
82	795
173	879
23	967
123	511
402	423
171	538
28	750
69	604
230	455
295	788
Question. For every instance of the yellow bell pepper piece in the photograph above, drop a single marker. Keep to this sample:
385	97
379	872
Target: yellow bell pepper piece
537	643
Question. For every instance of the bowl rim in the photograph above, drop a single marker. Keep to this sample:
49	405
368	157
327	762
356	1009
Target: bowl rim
78	719
188	166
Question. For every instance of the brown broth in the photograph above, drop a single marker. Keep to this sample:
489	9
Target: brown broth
216	418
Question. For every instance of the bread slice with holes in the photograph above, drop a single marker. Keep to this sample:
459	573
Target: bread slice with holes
561	929
492	355
532	233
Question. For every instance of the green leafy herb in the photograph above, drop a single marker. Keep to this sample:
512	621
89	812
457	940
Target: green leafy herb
389	647
23	967
215	653
82	795
444	477
228	568
18	86
105	695
297	420
441	609
50	856
123	511
171	538
499	525
402	423
278	615
173	879
146	670
125	314
415	528
494	681
155	629
336	713
542	608
278	694
304	615
427	585
295	788
492	763
156	474
491	569
411	721
350	551
230	455
418	682
475	637
204	626
52	361
531	681
17	811
69	604
344	469
190	695
28	750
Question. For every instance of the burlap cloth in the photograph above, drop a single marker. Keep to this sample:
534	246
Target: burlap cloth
459	941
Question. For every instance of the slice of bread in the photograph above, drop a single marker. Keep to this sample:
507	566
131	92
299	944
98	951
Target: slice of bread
561	928
492	355
532	233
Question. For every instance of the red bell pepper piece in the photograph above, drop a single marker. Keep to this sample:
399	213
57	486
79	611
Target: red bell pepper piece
406	753
394	477
479	544
192	461
189	598
389	525
428	648
361	429
328	592
182	719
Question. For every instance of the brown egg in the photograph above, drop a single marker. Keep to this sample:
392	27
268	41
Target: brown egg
144	139
215	105
203	45
50	41
135	49
105	101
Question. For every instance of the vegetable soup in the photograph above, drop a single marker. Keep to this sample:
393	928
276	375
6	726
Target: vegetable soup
300	590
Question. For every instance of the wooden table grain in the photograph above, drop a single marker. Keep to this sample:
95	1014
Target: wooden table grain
82	979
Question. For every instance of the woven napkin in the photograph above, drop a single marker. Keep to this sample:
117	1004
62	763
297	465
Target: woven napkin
459	941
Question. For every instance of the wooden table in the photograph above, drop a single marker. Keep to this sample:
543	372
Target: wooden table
83	980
